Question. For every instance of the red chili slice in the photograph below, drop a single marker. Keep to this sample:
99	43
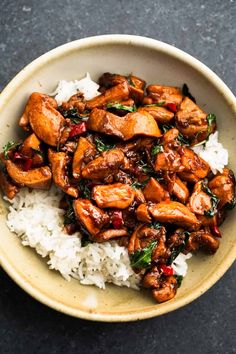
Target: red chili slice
78	129
216	231
27	164
167	270
172	107
18	156
117	219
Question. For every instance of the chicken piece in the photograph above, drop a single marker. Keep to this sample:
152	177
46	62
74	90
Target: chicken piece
108	80
170	137
167	289
90	216
107	164
136	82
180	190
59	162
174	212
210	221
164	94
191	121
75	102
178	238
223	186
45	121
138	196
116	195
152	279
109	234
200	201
195	168
142	214
160	114
143	236
84	148
154	192
168	160
7	187
116	93
126	127
202	239
31	148
39	178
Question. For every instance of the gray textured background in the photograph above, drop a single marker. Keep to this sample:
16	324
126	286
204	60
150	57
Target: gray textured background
205	29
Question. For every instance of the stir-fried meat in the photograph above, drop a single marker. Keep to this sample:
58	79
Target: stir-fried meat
126	127
209	220
8	188
109	234
138	196
116	195
59	162
143	236
195	168
202	239
160	114
107	164
116	93
75	102
168	160
142	214
167	290
152	278
39	178
200	201
191	121
177	239
45	121
31	149
163	95
179	189
174	212
154	192
223	186
169	138
84	148
90	216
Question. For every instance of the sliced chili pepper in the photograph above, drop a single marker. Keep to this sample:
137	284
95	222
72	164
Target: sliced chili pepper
172	107
167	270
117	219
27	164
77	129
216	231
18	156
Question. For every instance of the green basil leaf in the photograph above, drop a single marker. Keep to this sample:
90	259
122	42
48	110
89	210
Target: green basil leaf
179	279
12	144
122	107
101	146
142	259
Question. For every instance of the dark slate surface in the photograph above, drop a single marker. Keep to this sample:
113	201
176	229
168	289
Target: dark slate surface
205	29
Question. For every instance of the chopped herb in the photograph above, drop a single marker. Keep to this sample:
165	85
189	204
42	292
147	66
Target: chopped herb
139	185
142	259
73	115
214	201
69	217
232	204
155	225
38	152
185	92
166	127
101	146
156	149
182	140
130	82
158	104
84	189
145	168
177	250
12	144
179	279
122	107
211	118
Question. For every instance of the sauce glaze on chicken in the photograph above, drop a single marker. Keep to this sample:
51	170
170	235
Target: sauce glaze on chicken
124	162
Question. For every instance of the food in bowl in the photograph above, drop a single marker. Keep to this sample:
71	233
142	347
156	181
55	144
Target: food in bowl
140	182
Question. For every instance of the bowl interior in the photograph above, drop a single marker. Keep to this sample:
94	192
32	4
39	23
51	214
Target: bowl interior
155	63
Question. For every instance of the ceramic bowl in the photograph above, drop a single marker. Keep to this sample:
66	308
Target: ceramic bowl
156	62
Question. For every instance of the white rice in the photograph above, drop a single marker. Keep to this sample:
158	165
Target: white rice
37	220
66	89
213	153
180	265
